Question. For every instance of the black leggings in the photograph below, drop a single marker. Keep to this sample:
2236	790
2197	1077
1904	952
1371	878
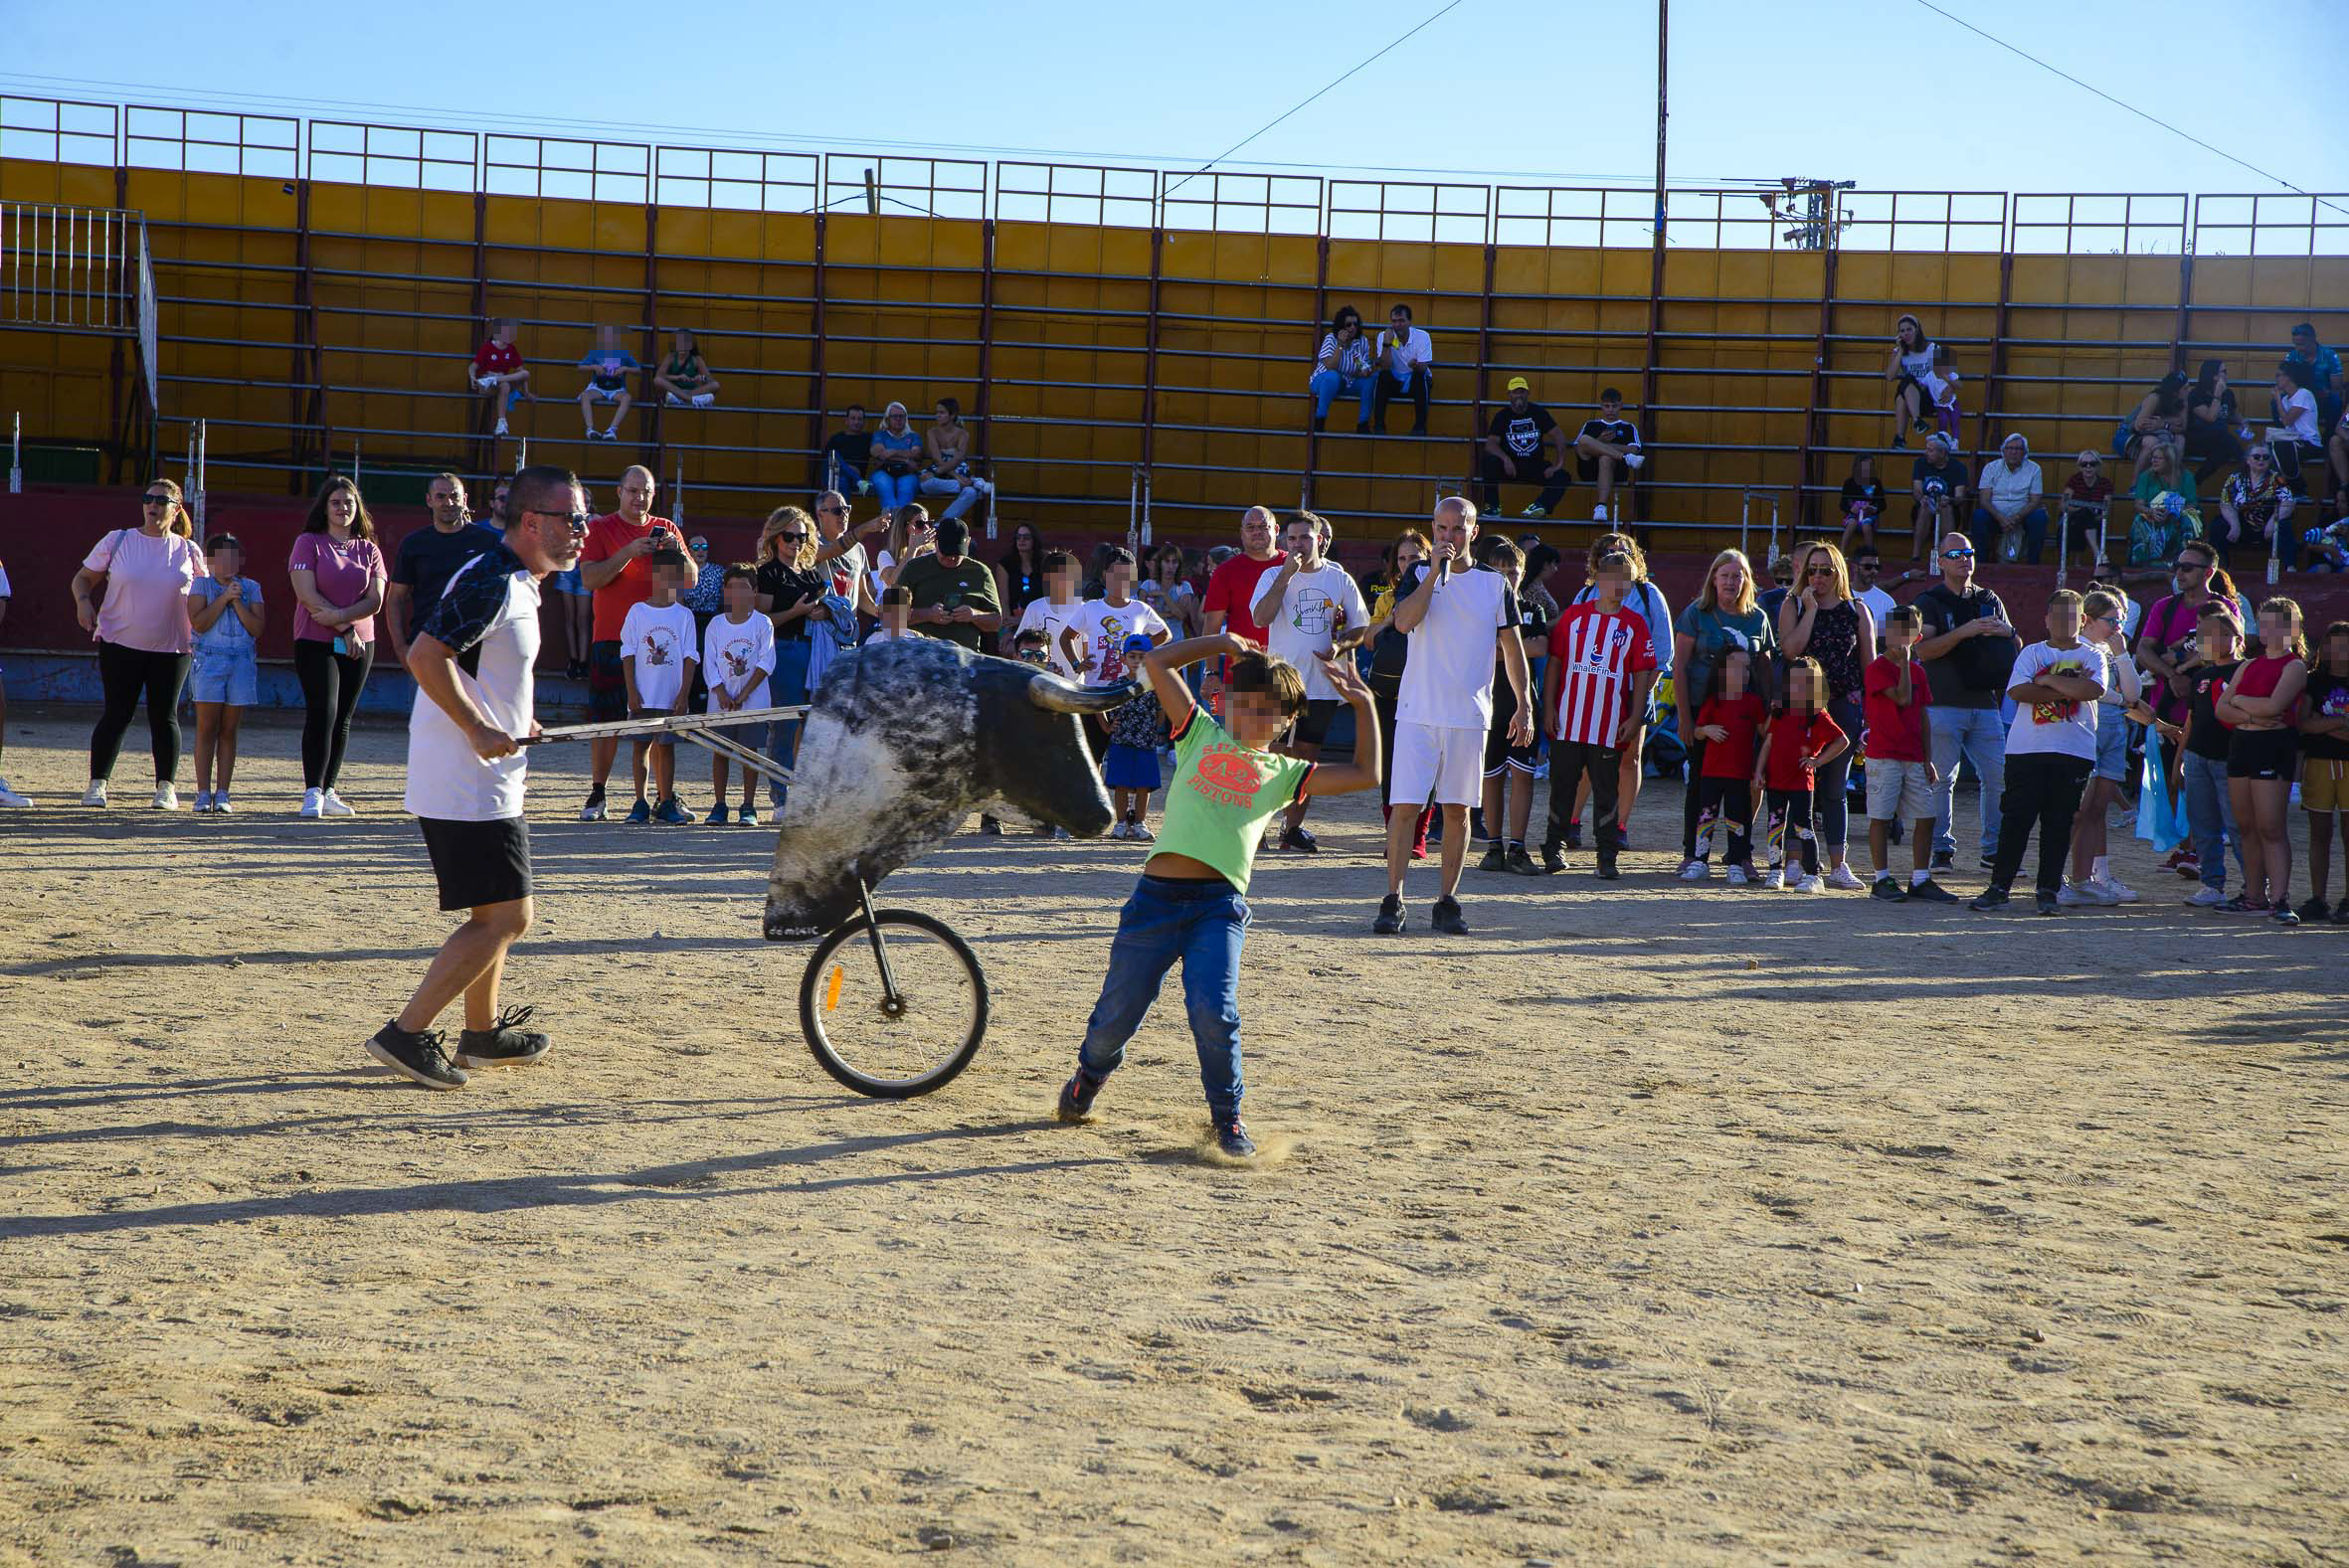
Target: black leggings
1691	798
125	675
1790	824
330	687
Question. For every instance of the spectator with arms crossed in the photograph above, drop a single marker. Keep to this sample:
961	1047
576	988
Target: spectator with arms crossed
1229	604
428	559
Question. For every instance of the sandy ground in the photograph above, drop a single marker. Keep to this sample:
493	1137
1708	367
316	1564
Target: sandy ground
1653	1224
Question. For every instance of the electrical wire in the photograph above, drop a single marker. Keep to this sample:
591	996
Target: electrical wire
2150	120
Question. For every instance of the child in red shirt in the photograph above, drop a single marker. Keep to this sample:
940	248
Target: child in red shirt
497	371
1731	722
1800	737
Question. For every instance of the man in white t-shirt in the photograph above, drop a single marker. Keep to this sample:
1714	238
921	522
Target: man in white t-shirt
471	659
1454	617
2050	751
1053	614
1309	608
1406	365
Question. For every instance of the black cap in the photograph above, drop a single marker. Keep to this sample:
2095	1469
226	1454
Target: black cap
954	536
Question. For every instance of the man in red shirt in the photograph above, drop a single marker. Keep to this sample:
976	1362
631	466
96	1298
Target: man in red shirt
1231	604
612	565
1601	664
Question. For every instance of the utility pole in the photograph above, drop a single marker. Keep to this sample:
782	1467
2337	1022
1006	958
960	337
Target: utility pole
1647	394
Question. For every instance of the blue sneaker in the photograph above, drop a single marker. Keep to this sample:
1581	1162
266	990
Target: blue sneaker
748	817
1077	1095
671	814
640	813
717	816
1232	1137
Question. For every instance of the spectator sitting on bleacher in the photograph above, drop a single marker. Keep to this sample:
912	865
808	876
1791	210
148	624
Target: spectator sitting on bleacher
847	454
945	452
1408	370
2294	436
685	376
497	371
608	370
1346	364
2167	511
2160	418
2088	503
895	455
2256	505
2320	369
2012	521
1938	485
1862	503
1608	451
1915	374
2212	438
1526	445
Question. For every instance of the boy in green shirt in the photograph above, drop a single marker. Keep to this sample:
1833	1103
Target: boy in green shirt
1188	903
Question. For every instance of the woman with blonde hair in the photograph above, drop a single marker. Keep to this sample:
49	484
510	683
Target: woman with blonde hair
789	590
1820	620
144	639
1725	616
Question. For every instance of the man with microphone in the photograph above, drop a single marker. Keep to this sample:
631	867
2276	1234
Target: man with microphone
1455	616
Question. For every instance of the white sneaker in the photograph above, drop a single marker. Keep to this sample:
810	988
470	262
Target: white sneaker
9	797
2113	890
220	803
313	802
1843	879
333	805
1695	871
1141	831
2207	897
672	400
500	425
1739	878
612	433
204	800
1810	883
1116	829
702	400
1774	879
95	795
1598	514
166	796
1636	461
2082	894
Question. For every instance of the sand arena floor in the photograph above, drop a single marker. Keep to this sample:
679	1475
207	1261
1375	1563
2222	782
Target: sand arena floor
1653	1224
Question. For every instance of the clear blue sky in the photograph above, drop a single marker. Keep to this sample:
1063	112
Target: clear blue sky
1882	91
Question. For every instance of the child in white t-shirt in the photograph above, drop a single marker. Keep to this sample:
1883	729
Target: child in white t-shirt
2050	751
657	656
1054	611
897	616
1094	640
737	657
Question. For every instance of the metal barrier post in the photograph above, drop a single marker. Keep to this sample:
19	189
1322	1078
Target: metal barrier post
203	452
1744	514
991	513
1774	525
522	455
2063	548
1133	511
1145	512
678	506
16	456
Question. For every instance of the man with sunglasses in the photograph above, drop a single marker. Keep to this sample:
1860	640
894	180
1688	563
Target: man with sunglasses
2087	505
611	566
471	659
840	552
1968	652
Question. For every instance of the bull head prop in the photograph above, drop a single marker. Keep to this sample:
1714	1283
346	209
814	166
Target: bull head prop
903	739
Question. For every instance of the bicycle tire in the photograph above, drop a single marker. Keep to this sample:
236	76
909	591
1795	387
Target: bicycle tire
954	1055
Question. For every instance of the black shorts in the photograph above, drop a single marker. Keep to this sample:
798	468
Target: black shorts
1586	468
2261	754
1312	725
477	863
608	688
1499	755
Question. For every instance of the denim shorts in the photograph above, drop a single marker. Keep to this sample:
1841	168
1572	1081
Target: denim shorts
232	678
2113	744
570	582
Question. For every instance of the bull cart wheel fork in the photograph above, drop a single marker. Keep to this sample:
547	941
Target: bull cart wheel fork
895	1014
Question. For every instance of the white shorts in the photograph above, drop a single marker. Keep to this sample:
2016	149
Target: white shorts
1444	762
605	394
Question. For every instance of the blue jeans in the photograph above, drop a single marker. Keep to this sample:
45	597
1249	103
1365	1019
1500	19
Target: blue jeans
896	489
2211	815
965	497
1982	736
1202	924
1831	786
2035	532
1328	385
789	685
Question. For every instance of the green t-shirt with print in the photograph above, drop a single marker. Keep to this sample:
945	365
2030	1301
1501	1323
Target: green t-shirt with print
1222	795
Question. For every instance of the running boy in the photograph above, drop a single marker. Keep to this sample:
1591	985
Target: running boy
1131	764
1897	704
657	661
1594	693
2055	687
225	610
1799	737
1729	724
737	657
1188	903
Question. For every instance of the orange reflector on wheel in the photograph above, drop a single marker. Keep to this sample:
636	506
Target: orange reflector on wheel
832	988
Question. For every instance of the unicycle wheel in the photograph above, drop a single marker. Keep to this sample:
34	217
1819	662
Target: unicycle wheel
905	1036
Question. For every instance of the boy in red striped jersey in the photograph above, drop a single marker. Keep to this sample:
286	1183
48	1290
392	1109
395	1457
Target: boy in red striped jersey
1601	664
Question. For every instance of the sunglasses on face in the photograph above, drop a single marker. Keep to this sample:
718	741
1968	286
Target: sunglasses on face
791	539
578	520
159	500
1819	571
832	511
1957	555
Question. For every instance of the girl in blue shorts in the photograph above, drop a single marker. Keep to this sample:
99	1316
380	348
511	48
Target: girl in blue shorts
224	608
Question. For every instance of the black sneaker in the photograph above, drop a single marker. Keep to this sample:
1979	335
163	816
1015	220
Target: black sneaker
2045	902
504	1043
1044	831
1298	841
1573	835
1989	899
2341	913
1495	859
2283	914
1076	1097
1553	862
1607	871
1232	1137
415	1055
1622	838
1519	863
1448	917
1944	860
1931	891
1887	890
1390	916
2315	909
987	824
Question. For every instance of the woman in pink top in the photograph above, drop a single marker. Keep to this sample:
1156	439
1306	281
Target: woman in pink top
338	582
142	632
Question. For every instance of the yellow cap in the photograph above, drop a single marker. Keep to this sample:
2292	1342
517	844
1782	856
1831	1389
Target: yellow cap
1519	383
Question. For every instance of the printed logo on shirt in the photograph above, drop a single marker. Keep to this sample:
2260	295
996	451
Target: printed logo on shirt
737	657
2062	712
1227	775
661	646
1522	438
1600	660
1313	613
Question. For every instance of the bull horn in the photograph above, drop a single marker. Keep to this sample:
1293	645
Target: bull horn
1055	695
